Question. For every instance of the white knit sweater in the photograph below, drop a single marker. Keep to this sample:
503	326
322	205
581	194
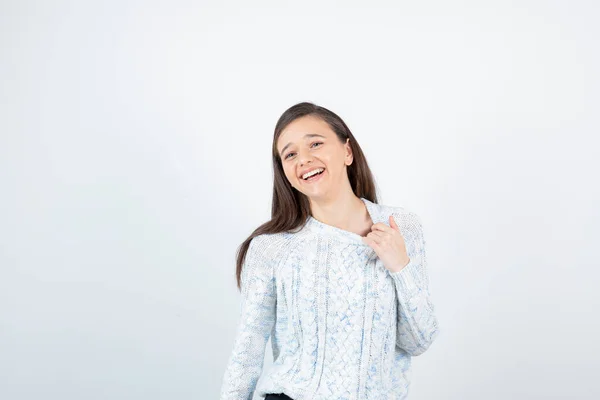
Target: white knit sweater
341	325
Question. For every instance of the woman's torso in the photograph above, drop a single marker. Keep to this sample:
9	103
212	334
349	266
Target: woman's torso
334	335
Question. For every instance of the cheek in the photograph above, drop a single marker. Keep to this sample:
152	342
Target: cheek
289	173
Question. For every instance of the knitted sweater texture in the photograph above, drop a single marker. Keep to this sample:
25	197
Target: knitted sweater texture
341	325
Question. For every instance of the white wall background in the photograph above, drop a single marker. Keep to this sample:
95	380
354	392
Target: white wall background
135	158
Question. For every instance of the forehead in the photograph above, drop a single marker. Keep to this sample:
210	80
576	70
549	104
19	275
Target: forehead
296	130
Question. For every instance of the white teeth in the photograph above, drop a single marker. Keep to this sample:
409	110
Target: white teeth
311	173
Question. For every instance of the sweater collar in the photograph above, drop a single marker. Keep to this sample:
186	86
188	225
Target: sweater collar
317	226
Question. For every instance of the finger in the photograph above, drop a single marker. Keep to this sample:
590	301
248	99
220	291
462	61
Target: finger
367	240
371	242
393	223
376	237
378	234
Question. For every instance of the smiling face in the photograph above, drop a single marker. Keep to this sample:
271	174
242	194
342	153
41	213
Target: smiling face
308	143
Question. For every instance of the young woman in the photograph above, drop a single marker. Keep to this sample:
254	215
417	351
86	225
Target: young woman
337	281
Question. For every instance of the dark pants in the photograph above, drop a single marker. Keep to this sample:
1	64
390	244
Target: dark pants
281	396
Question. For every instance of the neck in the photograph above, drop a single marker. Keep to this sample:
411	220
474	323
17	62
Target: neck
345	210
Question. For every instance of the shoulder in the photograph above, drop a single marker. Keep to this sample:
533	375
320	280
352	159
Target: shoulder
407	219
400	213
268	246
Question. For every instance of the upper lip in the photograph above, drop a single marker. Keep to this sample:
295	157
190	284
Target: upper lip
308	170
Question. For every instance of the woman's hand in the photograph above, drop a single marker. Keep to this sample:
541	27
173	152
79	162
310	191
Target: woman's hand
388	243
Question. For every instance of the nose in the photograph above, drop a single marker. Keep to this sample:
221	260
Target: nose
304	157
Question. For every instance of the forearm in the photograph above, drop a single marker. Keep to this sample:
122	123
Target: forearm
417	324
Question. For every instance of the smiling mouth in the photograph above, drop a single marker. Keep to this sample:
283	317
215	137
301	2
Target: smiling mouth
314	177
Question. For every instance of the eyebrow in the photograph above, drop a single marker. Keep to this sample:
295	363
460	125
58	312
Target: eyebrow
308	135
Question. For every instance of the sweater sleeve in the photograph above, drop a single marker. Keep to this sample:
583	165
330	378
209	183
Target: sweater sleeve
416	324
257	318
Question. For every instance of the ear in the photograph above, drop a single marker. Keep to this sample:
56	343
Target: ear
349	157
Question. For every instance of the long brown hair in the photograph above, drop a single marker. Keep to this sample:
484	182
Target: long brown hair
290	208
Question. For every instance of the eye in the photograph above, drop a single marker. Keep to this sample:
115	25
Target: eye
290	153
